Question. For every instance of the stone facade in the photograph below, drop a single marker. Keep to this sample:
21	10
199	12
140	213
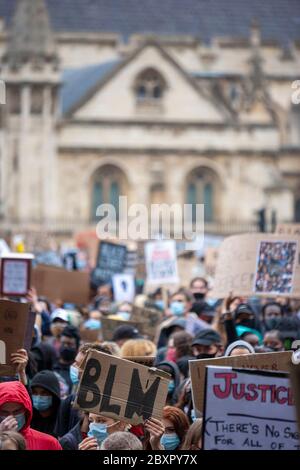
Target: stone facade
218	126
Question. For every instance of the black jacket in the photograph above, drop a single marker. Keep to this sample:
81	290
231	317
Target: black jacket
72	439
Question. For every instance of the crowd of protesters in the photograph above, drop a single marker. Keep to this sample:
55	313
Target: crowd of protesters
36	406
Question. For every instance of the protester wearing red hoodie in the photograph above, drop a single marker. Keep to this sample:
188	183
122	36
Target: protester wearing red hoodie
15	401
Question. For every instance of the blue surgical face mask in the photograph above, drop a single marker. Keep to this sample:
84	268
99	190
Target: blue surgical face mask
74	375
160	304
124	315
20	420
177	308
98	431
171	386
170	441
41	403
92	324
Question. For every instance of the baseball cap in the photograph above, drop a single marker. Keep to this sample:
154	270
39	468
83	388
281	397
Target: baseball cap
59	314
126	332
243	308
206	338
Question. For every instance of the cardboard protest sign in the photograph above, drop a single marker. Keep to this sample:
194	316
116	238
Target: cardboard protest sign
111	260
121	389
124	287
109	325
288	229
277	361
15	274
13	332
161	262
58	283
151	318
249	410
258	264
90	336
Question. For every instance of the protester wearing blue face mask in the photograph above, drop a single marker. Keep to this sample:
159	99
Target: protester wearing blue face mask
45	401
100	427
169	433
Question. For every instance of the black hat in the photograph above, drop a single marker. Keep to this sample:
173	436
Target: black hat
206	338
203	307
243	308
47	380
126	332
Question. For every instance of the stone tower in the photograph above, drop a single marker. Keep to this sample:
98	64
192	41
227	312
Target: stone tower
30	70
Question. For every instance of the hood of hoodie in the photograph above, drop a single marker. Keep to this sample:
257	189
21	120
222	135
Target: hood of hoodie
15	392
174	368
47	380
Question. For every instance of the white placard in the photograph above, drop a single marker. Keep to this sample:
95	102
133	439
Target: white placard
161	262
15	277
124	287
249	410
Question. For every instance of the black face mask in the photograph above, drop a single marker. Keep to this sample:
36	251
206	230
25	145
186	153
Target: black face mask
199	295
206	356
67	354
272	323
248	322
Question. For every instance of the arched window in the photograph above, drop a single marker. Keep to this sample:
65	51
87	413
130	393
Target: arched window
149	86
108	184
201	189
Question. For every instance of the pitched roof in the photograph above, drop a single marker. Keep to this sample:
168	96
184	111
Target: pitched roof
279	19
78	82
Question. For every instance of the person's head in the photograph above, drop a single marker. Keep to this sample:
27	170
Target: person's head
204	311
70	341
101	427
180	302
176	426
105	291
199	288
124	311
45	392
75	369
95	315
244	315
125	332
239	348
15	401
182	342
250	338
12	440
193	439
121	440
173	370
138	347
207	344
59	320
272	314
273	341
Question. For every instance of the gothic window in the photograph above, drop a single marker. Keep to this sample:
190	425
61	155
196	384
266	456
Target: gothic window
107	186
149	86
201	189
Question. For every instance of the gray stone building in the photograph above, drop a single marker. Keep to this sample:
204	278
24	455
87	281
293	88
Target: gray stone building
162	101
